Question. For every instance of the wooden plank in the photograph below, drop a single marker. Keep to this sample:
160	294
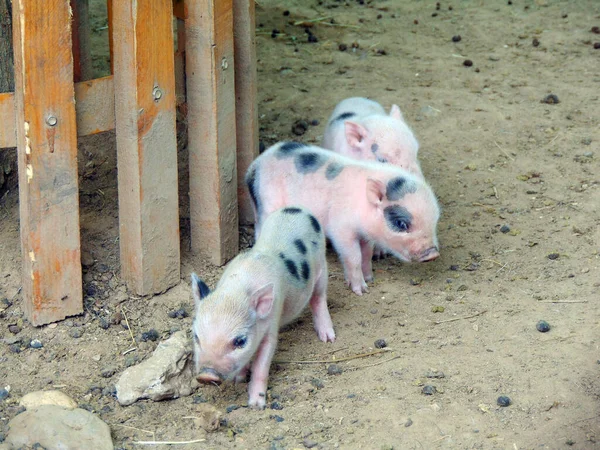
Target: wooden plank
144	84
246	110
8	132
7	80
109	13
95	106
179	10
82	56
47	155
211	121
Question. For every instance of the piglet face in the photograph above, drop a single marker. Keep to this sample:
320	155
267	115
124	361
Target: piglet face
405	218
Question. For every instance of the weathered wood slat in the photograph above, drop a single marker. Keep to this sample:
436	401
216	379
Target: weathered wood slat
95	106
211	128
144	84
245	100
47	155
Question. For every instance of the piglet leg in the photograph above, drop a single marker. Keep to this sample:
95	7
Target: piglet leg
242	375
318	305
348	248
257	388
366	249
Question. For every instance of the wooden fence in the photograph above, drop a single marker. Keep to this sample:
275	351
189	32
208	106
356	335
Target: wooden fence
48	110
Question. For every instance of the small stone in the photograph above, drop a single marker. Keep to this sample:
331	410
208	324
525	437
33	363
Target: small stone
4	394
276	406
553	256
299	127
276	418
131	360
415	281
456	38
14	329
551	99
312	38
116	318
180	313
408	423
596	45
503	401
231	408
504	229
314	122
342	47
275	33
380	343
14	348
110	391
542	326
150	335
462	287
595	29
569	442
454	267
535	42
36	343
428	389
334	369
103	323
87	260
76	333
435	374
38	398
198	399
108	372
317	383
309	443
437	309
467	63
286	13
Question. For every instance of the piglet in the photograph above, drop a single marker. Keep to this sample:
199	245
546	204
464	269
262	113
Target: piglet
361	129
261	290
358	203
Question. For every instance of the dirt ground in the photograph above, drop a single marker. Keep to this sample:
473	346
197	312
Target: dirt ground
518	182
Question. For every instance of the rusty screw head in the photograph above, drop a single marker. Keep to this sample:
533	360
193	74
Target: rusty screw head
157	94
51	121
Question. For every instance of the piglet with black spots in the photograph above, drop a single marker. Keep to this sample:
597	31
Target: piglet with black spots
359	204
261	290
360	128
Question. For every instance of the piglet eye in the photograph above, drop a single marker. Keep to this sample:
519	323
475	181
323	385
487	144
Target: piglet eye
401	225
239	341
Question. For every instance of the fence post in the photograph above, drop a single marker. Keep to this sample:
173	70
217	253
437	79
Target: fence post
47	158
211	128
144	84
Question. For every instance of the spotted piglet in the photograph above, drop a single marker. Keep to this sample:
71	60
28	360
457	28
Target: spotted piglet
361	129
260	291
358	203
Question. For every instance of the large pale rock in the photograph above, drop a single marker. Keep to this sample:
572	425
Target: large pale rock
38	398
168	373
57	428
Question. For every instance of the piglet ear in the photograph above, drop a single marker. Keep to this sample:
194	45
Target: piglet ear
199	289
375	191
261	301
396	113
355	134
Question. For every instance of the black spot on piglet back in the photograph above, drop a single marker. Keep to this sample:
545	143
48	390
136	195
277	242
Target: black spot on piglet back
305	270
398	187
315	223
281	255
344	116
333	170
300	246
287	148
292	210
398	218
291	268
251	180
308	162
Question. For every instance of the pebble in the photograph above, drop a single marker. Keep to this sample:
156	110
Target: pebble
428	389
595	29
454	267
408	423
110	391
551	99
180	313
456	38
38	398
342	47
334	369
299	127
309	443
535	42
504	229
14	348
4	394
150	335
103	323
276	418
596	45
542	326
317	383
503	401
553	256
380	343
467	63
36	343
276	406
231	408
108	372
76	333
14	329
87	260
435	374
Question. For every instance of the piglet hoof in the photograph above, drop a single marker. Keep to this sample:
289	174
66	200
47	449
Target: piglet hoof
257	403
369	278
327	335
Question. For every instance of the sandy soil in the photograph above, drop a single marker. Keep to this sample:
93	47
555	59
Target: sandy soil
518	183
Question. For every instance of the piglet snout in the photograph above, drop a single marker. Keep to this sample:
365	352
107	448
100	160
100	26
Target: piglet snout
209	376
429	255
